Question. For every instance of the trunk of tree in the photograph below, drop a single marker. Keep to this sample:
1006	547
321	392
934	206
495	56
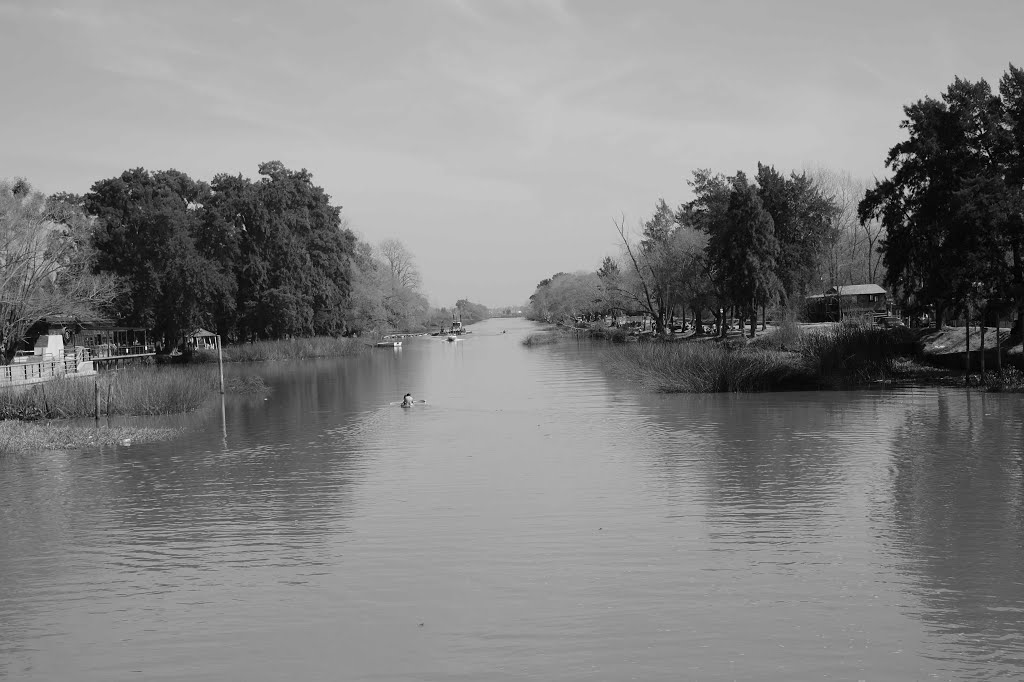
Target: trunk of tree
753	320
764	317
1017	330
698	323
967	345
982	360
940	313
721	331
999	347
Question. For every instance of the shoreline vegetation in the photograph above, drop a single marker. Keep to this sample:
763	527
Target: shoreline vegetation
306	348
784	358
19	437
37	417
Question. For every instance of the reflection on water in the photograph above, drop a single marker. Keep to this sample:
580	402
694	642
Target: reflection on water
534	519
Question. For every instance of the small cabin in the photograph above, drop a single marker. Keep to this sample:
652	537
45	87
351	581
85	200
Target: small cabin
849	300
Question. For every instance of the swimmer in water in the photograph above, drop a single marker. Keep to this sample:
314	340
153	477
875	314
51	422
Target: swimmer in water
407	401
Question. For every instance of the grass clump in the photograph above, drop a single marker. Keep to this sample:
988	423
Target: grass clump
708	368
856	352
541	338
144	391
286	349
23	438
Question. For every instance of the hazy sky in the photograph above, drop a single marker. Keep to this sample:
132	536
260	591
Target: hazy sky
498	139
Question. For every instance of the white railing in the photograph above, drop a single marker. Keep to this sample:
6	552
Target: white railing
46	367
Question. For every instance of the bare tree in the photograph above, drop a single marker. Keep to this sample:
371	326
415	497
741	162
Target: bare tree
661	270
45	265
400	263
853	257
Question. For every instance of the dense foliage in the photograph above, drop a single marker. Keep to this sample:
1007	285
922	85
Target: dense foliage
953	208
270	258
737	244
263	259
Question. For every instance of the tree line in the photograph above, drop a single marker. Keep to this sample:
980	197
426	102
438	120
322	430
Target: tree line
740	245
944	232
249	259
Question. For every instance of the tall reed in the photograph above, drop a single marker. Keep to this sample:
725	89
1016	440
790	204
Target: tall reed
707	367
541	338
856	352
142	391
286	349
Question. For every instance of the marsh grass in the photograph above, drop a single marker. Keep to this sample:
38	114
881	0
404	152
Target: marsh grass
285	349
707	368
856	352
17	437
541	338
143	391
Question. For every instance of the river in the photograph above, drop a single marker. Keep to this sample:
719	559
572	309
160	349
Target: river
535	520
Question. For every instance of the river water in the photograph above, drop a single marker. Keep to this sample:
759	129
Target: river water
535	520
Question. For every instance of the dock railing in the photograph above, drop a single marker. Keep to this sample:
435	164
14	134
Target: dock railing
33	372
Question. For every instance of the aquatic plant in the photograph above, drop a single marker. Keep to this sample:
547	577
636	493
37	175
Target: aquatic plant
285	349
541	338
856	352
707	367
24	437
138	391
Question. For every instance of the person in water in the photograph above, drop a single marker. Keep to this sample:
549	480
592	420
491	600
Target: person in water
407	401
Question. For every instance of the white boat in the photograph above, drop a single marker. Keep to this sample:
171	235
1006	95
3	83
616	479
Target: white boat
389	344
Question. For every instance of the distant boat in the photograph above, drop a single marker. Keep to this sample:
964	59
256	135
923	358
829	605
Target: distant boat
389	344
451	339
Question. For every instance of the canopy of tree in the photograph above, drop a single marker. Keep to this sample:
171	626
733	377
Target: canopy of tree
953	207
260	259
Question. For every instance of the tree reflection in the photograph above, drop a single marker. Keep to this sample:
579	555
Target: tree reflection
773	466
956	520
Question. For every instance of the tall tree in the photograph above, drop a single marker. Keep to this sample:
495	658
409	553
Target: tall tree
745	248
932	250
805	223
146	235
293	268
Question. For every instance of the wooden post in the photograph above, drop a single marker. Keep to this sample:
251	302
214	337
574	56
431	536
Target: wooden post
220	363
96	385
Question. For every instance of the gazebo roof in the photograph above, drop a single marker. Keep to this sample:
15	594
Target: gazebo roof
199	333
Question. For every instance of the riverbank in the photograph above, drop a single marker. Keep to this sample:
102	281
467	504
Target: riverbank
35	418
789	357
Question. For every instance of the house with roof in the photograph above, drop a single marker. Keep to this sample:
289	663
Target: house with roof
849	300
